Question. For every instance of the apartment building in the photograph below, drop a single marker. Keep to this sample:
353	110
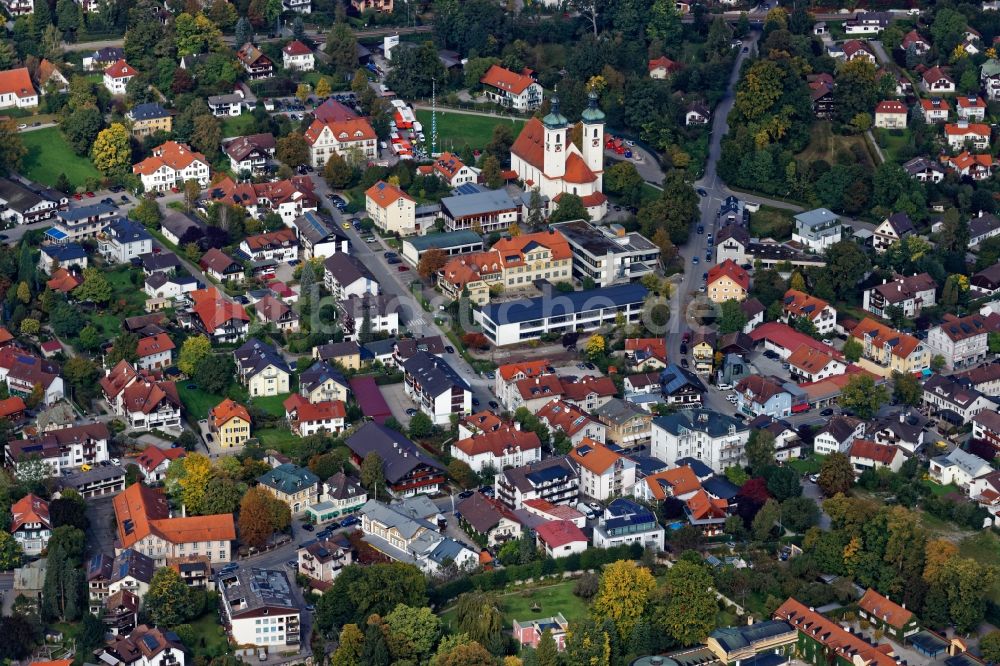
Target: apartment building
717	440
604	473
888	350
608	255
259	608
170	166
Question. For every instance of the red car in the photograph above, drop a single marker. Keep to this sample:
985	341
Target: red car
403	269
175	190
77	196
90	195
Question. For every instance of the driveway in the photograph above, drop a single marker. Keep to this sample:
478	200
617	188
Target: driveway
395	396
812	491
101	532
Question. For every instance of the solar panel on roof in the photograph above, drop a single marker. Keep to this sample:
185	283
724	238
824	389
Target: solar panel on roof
150	642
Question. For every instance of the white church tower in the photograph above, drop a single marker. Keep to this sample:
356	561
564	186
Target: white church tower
593	138
556	136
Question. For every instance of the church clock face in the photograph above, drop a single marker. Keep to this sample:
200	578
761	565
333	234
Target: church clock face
596	142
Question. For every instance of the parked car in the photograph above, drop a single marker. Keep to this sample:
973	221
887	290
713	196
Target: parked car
403	269
827	412
350	521
449	349
494	404
466	493
475	402
411	411
308	527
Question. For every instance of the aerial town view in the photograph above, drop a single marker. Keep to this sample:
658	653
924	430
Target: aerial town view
500	333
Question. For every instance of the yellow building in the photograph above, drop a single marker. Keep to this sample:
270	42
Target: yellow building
147	119
230	422
727	282
885	350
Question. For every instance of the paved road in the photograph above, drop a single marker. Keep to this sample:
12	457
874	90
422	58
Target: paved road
880	52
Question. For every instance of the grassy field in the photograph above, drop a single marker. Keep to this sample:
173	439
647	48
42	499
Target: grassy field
772	223
984	547
197	402
894	141
825	145
272	404
810	465
551	599
939	490
238	125
284	441
455	130
49	155
211	637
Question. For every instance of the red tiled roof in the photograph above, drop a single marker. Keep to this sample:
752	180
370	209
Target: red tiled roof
177	156
664	62
890	106
512	250
152	456
800	304
902	344
559	533
761	389
121	70
884	609
530	144
578	390
681	481
296	48
787	337
213	310
385	194
733	271
702	506
594	456
64	281
523	369
154	344
934	74
845	645
504	79
565	416
540	386
935	104
971	102
868	450
346	130
16	82
226	411
809	360
306	411
956	129
11	406
142	511
115	381
497	442
29	509
577	170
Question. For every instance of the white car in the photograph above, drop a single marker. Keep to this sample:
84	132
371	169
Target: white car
827	341
116	461
724	387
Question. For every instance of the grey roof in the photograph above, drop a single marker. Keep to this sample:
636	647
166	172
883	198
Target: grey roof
346	269
618	411
901	223
84	212
528	477
840	427
407	525
816	217
337	350
229	98
127	231
315	229
178	223
908	429
720	486
149	111
131	562
700	469
18	197
447	550
434	374
381	347
156	280
959	392
288	478
378	306
740	637
399	455
445	240
59	414
159	262
108	54
920	164
558	303
674	378
99	567
481	203
598	242
427	210
318	373
95	475
255	355
982	225
248	589
340	486
715	424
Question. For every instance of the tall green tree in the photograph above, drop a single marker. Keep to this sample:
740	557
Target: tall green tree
863	396
686	607
836	475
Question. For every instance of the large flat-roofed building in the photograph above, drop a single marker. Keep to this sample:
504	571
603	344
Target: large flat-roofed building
817	229
452	243
492	210
530	318
259	608
608	255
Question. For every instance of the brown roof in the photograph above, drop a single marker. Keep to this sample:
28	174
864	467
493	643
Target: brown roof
217	260
213	310
844	644
680	480
888	611
905	287
270	308
152	456
504	79
121	70
530	144
761	388
958	329
578	390
64	281
902	344
934	74
868	450
512	250
146	396
524	369
154	344
240	147
11	406
498	442
703	506
733	271
482	513
539	387
142	511
565	416
120	376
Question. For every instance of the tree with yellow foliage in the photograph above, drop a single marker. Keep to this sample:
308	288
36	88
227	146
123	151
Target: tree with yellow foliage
623	595
112	152
302	92
323	89
187	479
595	346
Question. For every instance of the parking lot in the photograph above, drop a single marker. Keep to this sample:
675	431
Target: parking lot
395	396
575	370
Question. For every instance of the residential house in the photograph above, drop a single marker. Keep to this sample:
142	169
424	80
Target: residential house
436	387
230	423
715	439
322	382
608	255
955	400
274	312
986	428
295	486
379	6
965	134
865	454
450	169
855	49
352	138
798	304
381	311
983	226
529	632
250	154
307	418
924	170
838	434
61	450
488	519
154	352
297	56
604	473
318	238
697	114
142	402
625	522
589	392
79	223
644	354
811	365
817	229
16	89
561	538
406	469
143	521
321	561
143	646
911	294
124	240
30	524
289	199
509	376
342	495
885	615
819	636
627	424
824	103
261	368
989	75
20	205
229	105
518	91
171	165
867	23
148	119
222	320
153	462
892	230
399	532
915	40
662	67
120	613
732	645
180	228
753	310
571	421
259	608
254	62
763	395
103	58
888	350
971	108
727	282
554	479
935	110
961	341
21	371
279	246
680	386
485	442
118	76
162	262
987	281
936	82
891	114
345	276
905	432
959	467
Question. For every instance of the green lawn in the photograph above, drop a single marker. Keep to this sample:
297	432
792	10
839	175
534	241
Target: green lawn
455	130
238	125
211	638
49	155
810	465
892	141
771	222
197	402
551	599
124	289
983	547
283	440
939	490
272	404
825	145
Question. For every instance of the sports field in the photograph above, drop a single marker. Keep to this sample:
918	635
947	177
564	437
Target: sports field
455	130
